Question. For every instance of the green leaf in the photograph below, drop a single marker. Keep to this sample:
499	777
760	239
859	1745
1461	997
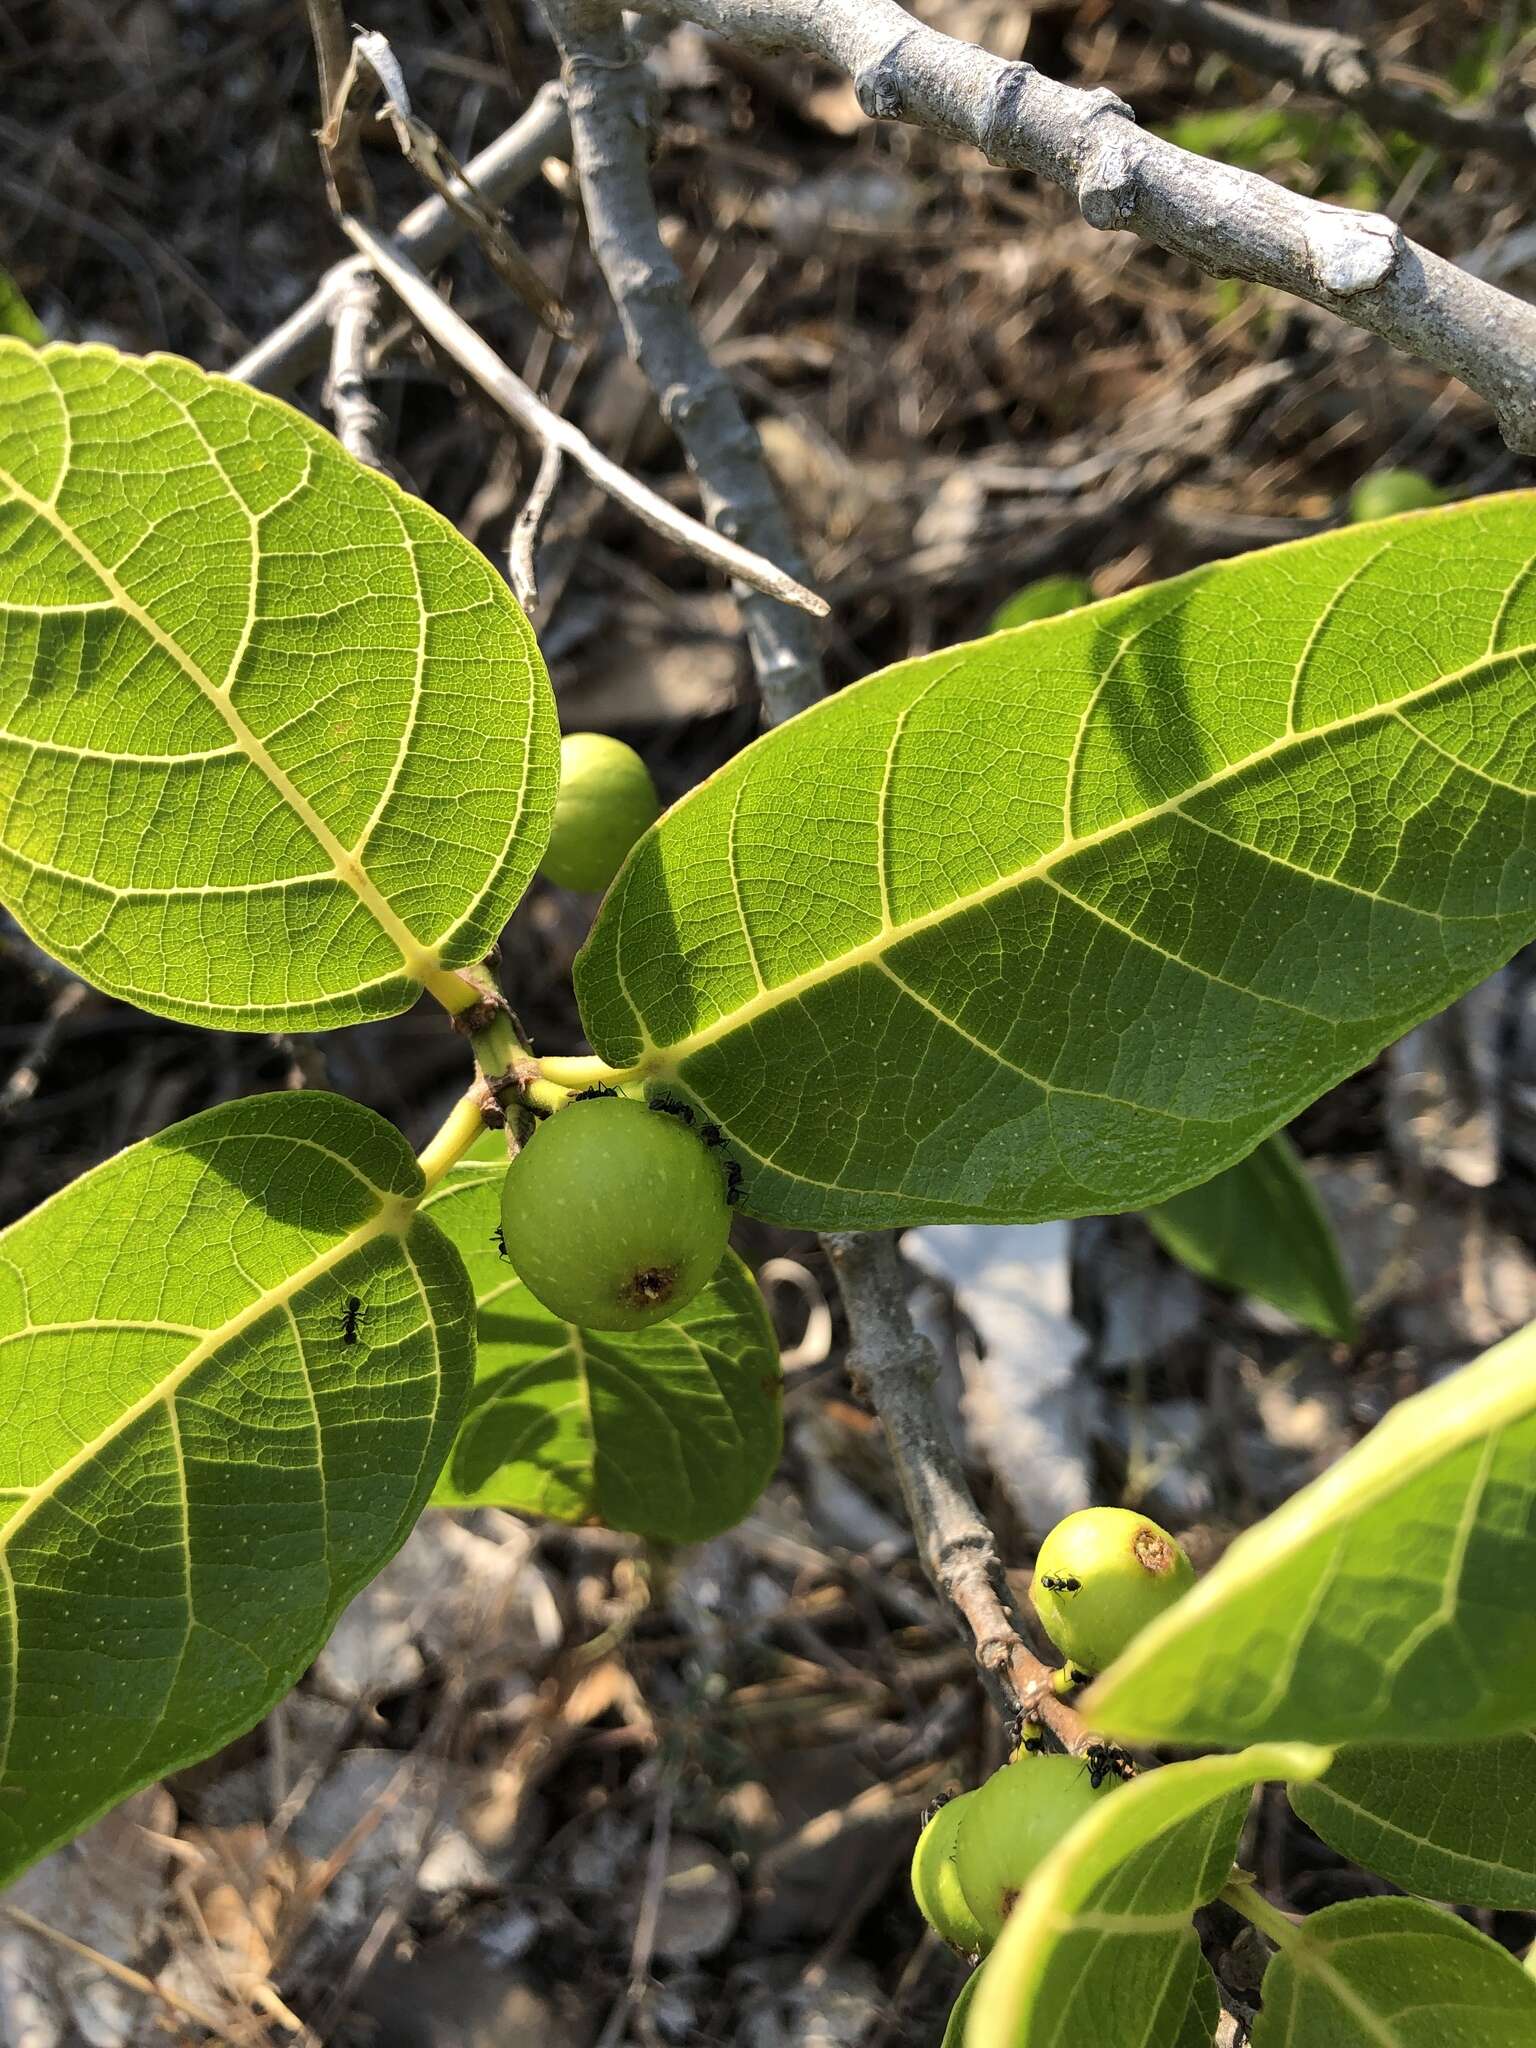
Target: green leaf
671	1431
1099	1946
1394	1973
16	316
1069	919
276	745
1259	1229
954	2029
196	1472
1204	2013
1045	599
1393	1599
1454	1820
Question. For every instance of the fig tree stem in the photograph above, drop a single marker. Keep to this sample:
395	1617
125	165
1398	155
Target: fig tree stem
460	1128
1244	1897
584	1071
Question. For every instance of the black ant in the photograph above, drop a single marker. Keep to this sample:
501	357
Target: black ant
709	1134
590	1095
939	1799
1103	1760
499	1239
1026	1734
349	1319
1053	1584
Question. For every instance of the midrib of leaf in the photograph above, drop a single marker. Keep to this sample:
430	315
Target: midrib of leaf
420	962
393	1218
872	951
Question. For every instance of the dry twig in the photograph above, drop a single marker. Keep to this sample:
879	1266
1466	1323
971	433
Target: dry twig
525	528
475	355
373	68
359	422
428	233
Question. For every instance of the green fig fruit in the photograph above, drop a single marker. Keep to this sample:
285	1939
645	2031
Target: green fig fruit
1046	599
613	1214
606	800
1387	491
936	1884
1011	1824
1101	1576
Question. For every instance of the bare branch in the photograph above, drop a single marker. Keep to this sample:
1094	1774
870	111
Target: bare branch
373	64
525	529
608	97
359	422
339	135
1327	60
1232	223
427	233
475	355
958	1550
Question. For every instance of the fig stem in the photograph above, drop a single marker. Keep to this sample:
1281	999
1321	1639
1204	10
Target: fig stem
1244	1896
459	1130
578	1070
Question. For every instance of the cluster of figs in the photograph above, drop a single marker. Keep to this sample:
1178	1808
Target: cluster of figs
1101	1576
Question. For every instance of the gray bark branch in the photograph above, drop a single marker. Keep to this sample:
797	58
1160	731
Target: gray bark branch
608	102
1329	61
1232	223
609	122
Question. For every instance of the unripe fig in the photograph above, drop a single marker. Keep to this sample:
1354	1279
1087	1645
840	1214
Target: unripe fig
606	800
1391	490
1045	599
613	1215
1011	1824
1101	1576
936	1883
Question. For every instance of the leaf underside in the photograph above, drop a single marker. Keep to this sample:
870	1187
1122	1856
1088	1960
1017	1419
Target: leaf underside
670	1432
1453	1820
1392	1600
196	1471
1394	1973
276	743
1259	1228
1067	920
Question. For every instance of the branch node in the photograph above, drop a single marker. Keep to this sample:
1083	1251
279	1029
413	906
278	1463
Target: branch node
1350	252
1004	116
1109	162
877	86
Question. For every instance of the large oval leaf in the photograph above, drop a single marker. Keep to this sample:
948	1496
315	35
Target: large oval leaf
276	745
1449	1820
1100	1946
671	1432
1068	919
1394	1973
1393	1599
197	1471
1259	1228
